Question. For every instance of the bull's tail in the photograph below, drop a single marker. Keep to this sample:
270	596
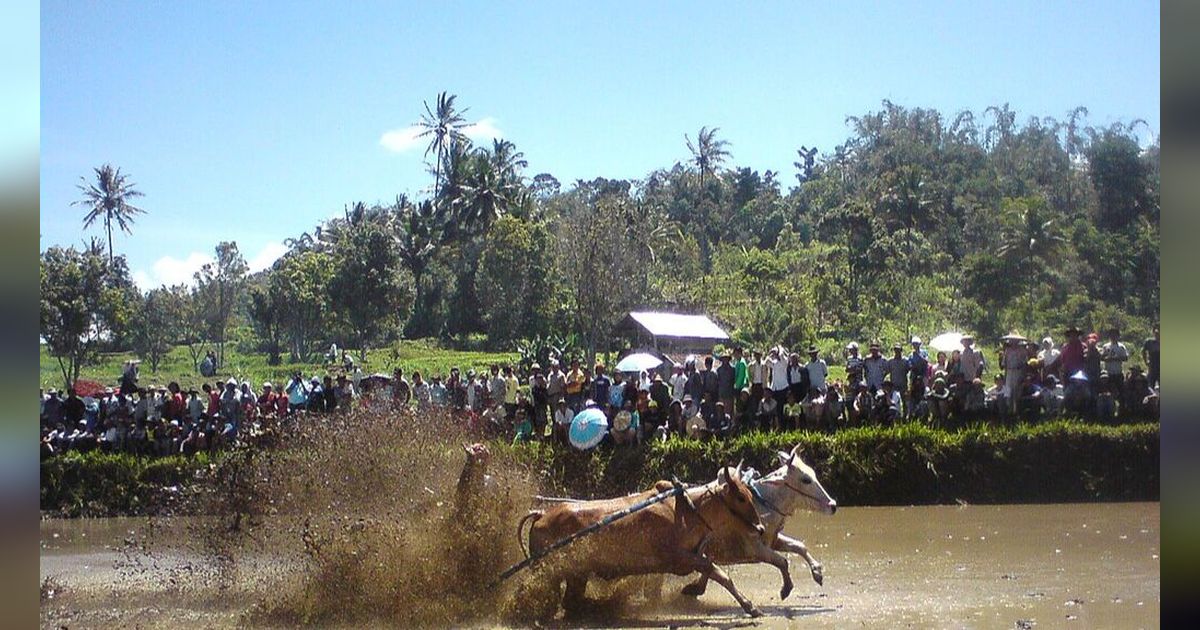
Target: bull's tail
534	515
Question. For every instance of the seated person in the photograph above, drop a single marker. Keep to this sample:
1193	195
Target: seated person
939	402
862	406
768	411
625	424
888	406
1052	396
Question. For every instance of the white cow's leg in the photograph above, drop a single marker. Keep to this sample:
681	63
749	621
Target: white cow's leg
777	560
789	544
712	571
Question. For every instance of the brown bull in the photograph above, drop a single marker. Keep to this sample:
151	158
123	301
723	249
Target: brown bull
666	537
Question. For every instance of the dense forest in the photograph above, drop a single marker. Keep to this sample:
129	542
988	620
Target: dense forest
919	222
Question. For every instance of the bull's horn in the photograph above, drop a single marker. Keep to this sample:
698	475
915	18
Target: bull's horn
738	470
795	450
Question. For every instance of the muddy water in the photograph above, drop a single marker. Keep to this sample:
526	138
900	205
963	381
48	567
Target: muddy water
1082	565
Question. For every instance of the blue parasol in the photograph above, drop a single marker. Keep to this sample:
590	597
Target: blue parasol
588	428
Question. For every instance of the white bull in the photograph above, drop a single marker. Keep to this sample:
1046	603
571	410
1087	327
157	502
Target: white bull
777	496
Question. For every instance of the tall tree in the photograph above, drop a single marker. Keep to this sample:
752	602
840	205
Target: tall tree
443	124
77	291
368	289
108	199
219	286
1031	241
708	152
157	324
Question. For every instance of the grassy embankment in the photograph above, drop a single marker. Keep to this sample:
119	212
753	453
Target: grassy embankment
1062	461
424	355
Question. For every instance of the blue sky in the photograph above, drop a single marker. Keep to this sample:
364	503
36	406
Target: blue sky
255	121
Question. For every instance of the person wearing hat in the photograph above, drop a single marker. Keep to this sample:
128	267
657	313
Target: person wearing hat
874	368
52	409
678	383
939	402
1014	362
1106	402
970	360
660	395
562	421
854	366
1071	354
817	370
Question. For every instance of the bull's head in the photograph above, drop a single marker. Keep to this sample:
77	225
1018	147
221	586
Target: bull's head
736	496
802	480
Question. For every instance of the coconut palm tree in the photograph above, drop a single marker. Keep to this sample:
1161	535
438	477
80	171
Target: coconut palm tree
1032	239
707	152
444	124
108	199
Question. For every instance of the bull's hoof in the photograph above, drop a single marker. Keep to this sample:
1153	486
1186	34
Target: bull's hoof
818	575
753	611
785	591
694	589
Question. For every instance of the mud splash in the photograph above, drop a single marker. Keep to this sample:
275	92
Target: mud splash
356	519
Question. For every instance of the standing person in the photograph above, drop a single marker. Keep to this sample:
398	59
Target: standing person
678	383
918	371
297	393
778	369
438	395
797	381
421	392
556	382
600	386
726	380
540	398
195	407
1071	355
898	374
266	401
660	396
970	361
1014	359
741	379
401	389
575	383
231	406
854	367
758	379
711	389
496	387
695	382
1115	354
1150	357
818	371
1048	356
875	368
1093	363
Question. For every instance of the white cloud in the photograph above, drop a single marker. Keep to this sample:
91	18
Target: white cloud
266	256
485	129
170	271
406	138
401	140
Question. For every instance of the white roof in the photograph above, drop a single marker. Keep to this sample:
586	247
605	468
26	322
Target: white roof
676	325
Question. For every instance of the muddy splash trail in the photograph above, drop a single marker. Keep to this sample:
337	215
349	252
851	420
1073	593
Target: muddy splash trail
358	521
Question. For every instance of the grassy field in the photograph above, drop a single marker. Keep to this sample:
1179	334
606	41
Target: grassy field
423	355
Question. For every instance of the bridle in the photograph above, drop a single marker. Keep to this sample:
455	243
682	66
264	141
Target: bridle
789	486
721	497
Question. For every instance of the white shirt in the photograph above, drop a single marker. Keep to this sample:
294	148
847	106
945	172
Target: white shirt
1114	355
678	384
758	372
563	416
778	370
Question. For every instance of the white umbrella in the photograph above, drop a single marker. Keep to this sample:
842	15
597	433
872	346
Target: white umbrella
637	362
588	428
947	342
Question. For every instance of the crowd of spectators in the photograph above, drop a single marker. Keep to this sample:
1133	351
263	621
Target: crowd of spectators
710	396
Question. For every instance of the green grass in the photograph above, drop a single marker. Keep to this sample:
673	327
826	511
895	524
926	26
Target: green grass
422	354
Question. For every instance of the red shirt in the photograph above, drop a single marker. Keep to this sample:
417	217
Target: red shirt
214	402
1071	358
281	405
